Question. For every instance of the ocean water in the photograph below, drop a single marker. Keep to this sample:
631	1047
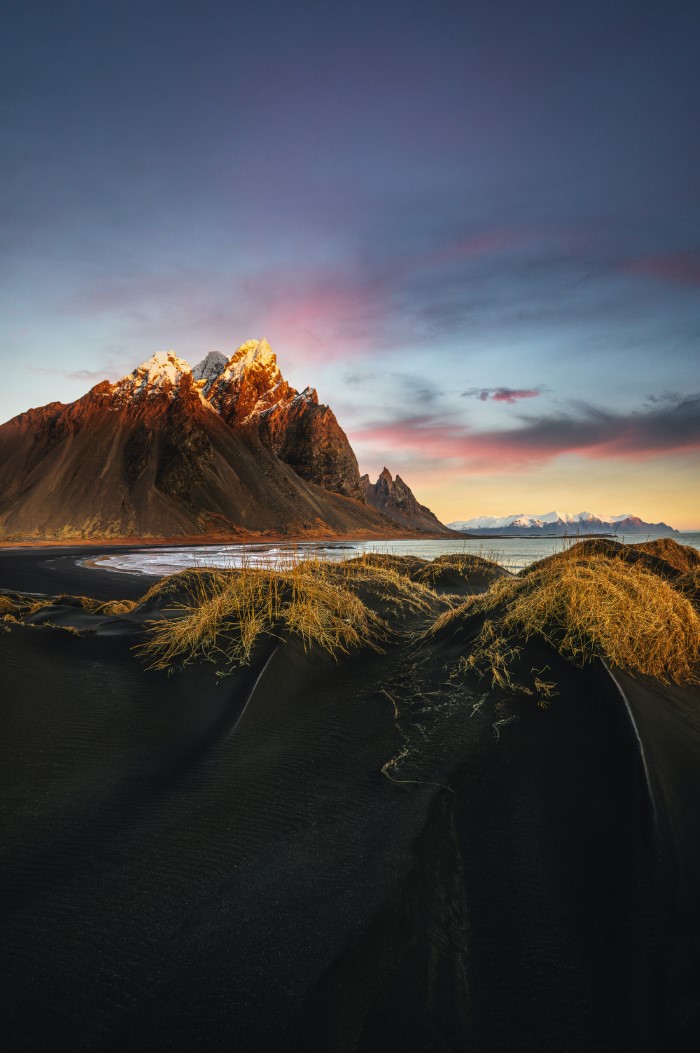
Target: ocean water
512	553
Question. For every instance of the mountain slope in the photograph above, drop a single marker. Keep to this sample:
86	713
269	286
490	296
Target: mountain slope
560	523
168	451
250	393
395	499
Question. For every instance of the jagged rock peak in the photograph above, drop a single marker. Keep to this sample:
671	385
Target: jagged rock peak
159	374
211	366
250	382
253	354
396	500
307	395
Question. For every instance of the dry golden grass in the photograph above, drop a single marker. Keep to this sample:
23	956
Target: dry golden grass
682	557
634	617
19	606
22	606
87	603
403	565
115	607
386	581
464	564
179	584
584	606
577	549
221	614
689	585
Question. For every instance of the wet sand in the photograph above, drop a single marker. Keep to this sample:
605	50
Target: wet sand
201	862
52	570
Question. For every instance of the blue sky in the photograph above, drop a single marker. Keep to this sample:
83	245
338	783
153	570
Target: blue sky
423	207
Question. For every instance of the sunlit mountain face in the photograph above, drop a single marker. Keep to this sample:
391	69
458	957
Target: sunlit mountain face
488	261
225	448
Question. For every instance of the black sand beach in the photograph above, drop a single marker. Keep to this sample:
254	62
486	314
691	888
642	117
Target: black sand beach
235	862
49	571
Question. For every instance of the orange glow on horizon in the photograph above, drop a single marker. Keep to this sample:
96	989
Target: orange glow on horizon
661	489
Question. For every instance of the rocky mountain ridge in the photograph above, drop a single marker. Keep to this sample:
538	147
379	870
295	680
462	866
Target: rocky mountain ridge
396	500
226	447
560	523
249	393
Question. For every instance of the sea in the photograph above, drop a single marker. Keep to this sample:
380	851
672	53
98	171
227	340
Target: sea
512	553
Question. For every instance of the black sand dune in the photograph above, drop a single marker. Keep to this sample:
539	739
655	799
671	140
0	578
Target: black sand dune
668	719
220	863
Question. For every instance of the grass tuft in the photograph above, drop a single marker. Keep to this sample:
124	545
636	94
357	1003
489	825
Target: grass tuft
220	615
467	566
583	606
681	557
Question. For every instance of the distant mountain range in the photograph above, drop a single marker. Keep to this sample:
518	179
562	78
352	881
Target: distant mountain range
226	448
560	523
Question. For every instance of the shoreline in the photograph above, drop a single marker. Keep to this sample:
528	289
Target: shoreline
191	540
196	540
47	568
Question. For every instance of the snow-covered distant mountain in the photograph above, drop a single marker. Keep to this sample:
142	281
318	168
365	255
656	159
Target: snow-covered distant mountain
560	523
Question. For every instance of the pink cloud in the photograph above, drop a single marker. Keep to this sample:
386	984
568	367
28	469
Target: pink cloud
473	245
682	268
509	395
537	441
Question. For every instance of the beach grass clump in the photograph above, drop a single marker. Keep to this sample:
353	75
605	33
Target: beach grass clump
90	605
390	582
18	608
467	566
220	615
664	556
403	565
639	621
680	557
112	608
689	585
23	606
584	607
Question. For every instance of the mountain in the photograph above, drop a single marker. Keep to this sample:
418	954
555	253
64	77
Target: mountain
225	448
396	500
560	523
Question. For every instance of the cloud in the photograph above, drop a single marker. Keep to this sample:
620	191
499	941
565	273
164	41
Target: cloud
381	297
92	375
109	370
664	397
588	432
683	268
509	395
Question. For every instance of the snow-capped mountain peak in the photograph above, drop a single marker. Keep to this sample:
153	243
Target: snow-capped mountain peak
254	354
527	519
250	383
211	366
160	373
556	523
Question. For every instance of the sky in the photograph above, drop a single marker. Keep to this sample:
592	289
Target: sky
473	227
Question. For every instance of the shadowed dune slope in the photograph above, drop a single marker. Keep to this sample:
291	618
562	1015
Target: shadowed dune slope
378	851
